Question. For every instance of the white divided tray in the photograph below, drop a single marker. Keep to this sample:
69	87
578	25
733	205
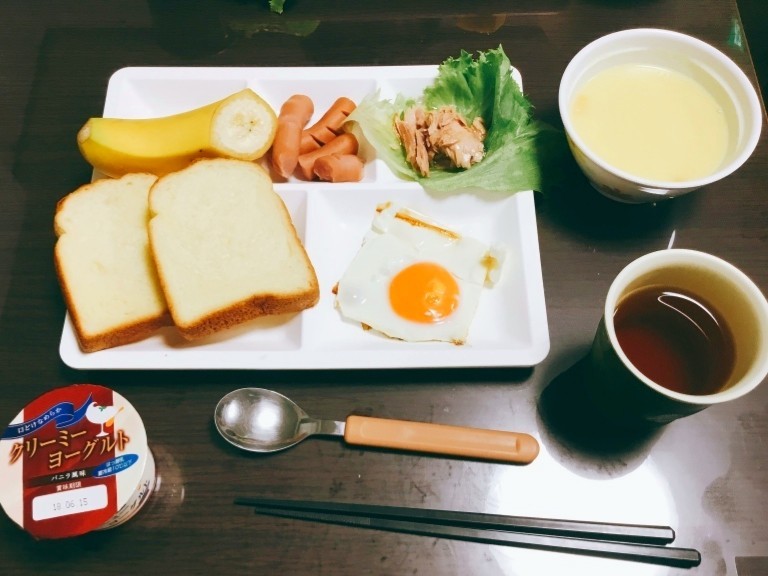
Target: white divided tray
510	326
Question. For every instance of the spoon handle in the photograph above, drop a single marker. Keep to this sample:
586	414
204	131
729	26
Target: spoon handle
441	439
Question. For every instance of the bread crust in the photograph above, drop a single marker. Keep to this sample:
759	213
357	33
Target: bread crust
249	309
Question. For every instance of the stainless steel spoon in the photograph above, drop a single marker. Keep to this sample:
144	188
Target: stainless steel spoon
260	420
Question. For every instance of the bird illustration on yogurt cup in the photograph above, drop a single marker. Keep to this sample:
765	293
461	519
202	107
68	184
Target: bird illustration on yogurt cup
101	415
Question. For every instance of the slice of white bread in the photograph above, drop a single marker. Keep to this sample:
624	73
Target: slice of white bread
104	265
225	247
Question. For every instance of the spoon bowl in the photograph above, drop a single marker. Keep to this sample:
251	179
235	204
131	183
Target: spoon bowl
259	420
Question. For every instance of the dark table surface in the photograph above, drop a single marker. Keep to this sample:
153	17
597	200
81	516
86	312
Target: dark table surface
705	475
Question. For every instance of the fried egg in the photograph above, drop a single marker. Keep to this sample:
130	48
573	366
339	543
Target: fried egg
412	279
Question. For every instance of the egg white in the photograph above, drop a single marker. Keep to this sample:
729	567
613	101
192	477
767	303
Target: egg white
398	238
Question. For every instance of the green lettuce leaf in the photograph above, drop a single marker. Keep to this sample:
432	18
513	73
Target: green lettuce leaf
482	86
276	6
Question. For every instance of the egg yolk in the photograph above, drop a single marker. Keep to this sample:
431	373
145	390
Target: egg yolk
424	292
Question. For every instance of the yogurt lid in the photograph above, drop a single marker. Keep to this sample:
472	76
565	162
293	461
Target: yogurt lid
71	460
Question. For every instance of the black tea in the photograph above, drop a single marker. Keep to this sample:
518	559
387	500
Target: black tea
675	339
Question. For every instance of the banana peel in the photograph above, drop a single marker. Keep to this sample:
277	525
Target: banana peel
241	126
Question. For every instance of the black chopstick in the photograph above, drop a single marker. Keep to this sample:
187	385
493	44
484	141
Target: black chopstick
650	553
635	533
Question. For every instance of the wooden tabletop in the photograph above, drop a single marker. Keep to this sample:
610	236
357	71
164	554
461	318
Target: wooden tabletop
705	475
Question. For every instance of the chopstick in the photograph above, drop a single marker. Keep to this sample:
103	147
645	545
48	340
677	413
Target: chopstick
444	524
638	533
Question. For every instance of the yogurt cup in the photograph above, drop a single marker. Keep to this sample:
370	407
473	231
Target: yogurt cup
73	461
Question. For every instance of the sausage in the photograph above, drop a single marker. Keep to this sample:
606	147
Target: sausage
329	125
343	144
293	117
339	168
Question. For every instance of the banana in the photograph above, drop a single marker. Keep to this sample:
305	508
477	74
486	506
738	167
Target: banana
241	126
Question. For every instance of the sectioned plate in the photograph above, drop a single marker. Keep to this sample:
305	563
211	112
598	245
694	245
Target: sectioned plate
510	327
